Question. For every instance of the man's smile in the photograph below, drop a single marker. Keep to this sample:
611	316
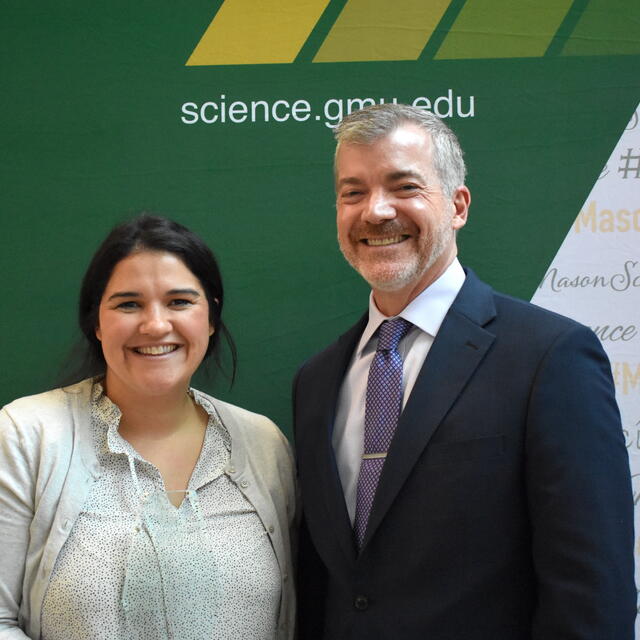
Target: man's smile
383	242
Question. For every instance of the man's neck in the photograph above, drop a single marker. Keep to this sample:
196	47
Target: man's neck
391	303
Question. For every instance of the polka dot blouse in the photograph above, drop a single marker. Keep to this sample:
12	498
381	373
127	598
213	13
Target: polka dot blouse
135	567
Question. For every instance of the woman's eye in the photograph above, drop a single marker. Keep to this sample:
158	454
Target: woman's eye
180	302
128	305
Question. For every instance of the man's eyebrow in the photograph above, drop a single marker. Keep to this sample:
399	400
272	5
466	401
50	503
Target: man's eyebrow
348	180
391	177
399	175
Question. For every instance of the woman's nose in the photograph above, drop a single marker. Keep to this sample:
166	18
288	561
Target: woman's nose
155	322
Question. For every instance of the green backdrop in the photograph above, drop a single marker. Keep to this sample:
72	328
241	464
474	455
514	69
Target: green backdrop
92	132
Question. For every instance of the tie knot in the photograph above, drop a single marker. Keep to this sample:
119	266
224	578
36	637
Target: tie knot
391	332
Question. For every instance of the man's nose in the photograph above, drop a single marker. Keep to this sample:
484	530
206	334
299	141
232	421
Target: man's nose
379	208
156	321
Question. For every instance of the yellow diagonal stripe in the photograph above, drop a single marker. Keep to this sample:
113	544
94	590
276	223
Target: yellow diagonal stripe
257	32
504	29
381	30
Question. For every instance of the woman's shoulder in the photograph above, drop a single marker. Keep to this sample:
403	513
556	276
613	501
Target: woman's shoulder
244	423
50	409
257	444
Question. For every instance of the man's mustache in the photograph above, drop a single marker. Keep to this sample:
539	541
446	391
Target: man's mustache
388	228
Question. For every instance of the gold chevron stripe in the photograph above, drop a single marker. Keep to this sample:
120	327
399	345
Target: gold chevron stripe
375	30
257	32
503	29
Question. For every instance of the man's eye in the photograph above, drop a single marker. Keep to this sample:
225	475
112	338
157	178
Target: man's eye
351	194
408	187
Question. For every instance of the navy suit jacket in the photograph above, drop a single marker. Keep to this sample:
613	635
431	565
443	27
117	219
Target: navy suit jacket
504	510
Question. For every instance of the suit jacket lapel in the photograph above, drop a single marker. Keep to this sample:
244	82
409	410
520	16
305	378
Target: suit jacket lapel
456	352
324	485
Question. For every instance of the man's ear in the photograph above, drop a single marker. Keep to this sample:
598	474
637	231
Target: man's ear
461	201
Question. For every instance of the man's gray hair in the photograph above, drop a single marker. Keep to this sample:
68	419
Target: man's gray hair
367	125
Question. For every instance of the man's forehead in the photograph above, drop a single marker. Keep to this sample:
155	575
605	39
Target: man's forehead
406	133
407	136
409	133
404	152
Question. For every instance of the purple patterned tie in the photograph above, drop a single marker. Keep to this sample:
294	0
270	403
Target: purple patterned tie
383	406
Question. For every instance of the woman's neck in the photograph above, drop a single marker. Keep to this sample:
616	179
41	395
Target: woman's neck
159	417
155	416
167	432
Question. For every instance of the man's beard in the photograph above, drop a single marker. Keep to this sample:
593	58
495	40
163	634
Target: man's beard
390	275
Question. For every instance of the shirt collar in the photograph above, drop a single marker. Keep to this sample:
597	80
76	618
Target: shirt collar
426	311
106	417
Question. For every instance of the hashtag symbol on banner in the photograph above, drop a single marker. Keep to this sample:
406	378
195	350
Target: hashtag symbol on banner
631	165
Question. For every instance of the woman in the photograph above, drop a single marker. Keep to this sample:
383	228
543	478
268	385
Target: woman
132	506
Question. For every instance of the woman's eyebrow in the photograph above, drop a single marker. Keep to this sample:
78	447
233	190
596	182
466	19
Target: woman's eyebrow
124	294
191	292
172	292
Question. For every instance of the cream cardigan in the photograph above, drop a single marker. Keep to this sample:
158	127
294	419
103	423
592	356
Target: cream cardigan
47	466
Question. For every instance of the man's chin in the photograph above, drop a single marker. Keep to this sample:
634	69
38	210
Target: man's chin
389	277
389	281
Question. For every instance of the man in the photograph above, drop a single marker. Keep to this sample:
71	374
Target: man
468	478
